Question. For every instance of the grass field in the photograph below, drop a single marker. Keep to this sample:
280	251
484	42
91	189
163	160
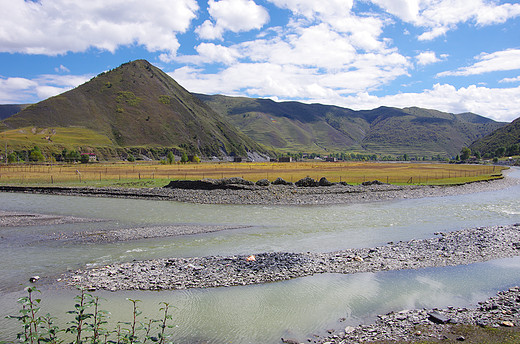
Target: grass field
154	174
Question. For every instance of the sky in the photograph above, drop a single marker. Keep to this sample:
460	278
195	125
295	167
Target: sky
451	55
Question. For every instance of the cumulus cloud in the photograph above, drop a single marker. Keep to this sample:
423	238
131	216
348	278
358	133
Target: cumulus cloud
312	8
440	16
22	90
495	103
53	27
426	58
232	15
498	61
517	79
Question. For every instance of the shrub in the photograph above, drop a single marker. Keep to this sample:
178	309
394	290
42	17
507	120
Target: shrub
88	323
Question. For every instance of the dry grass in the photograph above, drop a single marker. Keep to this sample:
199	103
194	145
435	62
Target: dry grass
153	174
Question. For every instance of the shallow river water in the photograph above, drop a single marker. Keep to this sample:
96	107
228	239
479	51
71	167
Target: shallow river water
262	313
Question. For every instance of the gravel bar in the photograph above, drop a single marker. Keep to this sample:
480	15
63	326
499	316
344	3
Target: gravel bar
276	194
445	249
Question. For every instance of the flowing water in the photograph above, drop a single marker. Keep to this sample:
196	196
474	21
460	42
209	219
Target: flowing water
260	313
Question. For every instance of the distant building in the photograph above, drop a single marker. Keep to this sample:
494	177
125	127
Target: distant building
285	159
330	159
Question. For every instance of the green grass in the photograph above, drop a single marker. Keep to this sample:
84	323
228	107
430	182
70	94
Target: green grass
50	139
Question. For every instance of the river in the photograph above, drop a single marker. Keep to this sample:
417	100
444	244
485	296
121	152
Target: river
261	313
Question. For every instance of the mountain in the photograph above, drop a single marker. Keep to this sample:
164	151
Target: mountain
7	110
138	105
294	126
504	137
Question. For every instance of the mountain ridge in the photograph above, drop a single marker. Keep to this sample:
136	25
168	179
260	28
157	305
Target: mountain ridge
293	126
137	104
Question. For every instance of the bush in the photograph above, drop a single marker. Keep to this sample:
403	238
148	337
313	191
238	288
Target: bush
88	324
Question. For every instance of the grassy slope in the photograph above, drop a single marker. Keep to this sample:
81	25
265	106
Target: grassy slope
53	140
503	137
293	126
137	104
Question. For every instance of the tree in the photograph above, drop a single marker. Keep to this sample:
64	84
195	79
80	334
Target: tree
170	158
184	157
85	158
196	159
36	154
11	158
465	153
130	158
500	152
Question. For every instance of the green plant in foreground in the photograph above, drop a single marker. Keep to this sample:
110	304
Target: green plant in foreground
89	323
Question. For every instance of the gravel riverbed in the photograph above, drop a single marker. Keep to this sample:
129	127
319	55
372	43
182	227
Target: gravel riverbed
445	249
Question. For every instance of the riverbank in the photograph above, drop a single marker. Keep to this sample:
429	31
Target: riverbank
472	325
445	249
276	194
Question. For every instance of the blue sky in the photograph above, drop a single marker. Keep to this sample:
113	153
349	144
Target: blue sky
450	55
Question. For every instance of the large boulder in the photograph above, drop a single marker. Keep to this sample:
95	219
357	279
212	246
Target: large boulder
263	182
280	181
325	182
306	182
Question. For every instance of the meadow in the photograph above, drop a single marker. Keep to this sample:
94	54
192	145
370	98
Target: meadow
150	174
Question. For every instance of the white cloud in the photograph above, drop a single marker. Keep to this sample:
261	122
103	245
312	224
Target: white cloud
61	69
22	90
211	53
497	61
426	58
497	103
232	15
517	79
54	27
312	8
440	16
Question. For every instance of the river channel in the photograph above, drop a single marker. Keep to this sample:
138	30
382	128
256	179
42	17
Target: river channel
297	308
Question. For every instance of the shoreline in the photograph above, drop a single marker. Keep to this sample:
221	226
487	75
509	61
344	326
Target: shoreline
439	325
275	194
446	249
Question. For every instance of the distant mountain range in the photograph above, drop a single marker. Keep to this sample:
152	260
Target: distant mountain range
293	126
138	105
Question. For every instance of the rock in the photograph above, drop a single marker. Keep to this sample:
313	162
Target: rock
306	182
34	279
461	338
324	182
290	341
263	182
437	318
507	323
349	329
373	182
280	181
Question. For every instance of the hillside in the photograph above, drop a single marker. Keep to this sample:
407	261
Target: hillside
293	126
138	105
7	110
504	137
